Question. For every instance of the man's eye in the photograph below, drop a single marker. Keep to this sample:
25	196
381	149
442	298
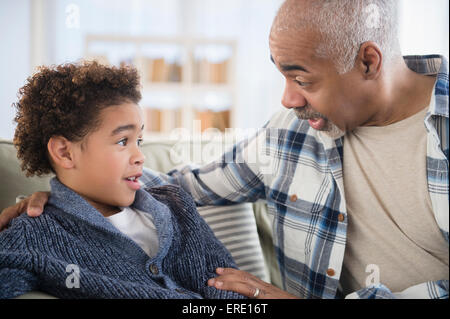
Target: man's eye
123	142
301	83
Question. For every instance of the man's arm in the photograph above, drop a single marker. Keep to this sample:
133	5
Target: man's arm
236	177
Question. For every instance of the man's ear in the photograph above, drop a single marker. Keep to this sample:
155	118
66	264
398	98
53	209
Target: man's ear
61	152
369	60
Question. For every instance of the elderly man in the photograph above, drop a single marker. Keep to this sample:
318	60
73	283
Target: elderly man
354	170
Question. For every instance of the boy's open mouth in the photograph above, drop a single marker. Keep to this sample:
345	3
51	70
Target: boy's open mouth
133	181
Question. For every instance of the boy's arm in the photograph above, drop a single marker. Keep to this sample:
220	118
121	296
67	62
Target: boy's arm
16	277
16	282
216	255
196	242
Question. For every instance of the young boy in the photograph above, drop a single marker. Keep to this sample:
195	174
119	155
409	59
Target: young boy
101	235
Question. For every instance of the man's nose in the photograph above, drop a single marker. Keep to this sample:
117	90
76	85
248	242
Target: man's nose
292	97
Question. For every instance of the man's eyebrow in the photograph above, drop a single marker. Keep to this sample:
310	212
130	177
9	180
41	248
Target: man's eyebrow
122	128
290	67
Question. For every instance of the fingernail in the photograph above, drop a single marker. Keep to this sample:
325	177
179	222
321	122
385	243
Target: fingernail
219	270
33	211
211	282
219	284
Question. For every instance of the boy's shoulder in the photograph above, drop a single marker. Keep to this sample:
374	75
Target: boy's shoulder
180	204
24	225
171	195
24	230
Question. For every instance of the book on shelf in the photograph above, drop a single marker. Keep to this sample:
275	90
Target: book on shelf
208	72
162	120
152	119
213	119
175	72
158	70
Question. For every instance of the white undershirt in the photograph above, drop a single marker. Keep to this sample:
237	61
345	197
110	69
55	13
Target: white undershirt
139	227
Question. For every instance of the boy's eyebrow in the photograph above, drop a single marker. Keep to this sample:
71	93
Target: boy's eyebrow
122	128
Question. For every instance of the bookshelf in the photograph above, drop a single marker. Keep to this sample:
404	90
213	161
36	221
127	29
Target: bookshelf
183	79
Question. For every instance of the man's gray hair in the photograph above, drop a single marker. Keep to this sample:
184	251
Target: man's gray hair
344	25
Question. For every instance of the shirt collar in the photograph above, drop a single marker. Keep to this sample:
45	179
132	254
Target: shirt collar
433	65
73	204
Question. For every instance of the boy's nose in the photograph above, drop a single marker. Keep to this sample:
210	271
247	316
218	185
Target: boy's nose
139	157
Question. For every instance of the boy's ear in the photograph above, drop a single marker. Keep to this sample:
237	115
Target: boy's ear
60	151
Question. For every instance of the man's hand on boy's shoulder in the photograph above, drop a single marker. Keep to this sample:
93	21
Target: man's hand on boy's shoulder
33	205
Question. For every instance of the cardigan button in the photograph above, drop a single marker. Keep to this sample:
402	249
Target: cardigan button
330	272
154	269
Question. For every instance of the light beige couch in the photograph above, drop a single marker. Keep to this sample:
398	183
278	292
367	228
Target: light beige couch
163	155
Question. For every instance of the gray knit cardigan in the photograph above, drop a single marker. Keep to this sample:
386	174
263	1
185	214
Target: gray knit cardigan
72	251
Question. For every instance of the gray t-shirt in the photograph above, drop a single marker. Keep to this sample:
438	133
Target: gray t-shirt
391	226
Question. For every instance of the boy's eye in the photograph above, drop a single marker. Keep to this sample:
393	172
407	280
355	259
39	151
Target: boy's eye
123	142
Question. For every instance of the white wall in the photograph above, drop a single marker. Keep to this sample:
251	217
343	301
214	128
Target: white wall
14	58
424	27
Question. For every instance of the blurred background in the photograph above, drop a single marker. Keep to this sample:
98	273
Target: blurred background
201	61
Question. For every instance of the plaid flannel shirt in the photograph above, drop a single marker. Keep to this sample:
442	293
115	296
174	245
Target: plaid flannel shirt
298	172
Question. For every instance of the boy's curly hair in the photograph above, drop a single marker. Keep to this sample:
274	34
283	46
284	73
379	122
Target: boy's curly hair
65	100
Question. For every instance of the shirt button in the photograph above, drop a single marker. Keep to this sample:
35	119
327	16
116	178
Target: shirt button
341	217
154	269
330	272
293	198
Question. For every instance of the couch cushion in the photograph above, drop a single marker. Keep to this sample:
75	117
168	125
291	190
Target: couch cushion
14	182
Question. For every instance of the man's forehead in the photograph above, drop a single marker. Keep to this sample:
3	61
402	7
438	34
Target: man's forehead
294	50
